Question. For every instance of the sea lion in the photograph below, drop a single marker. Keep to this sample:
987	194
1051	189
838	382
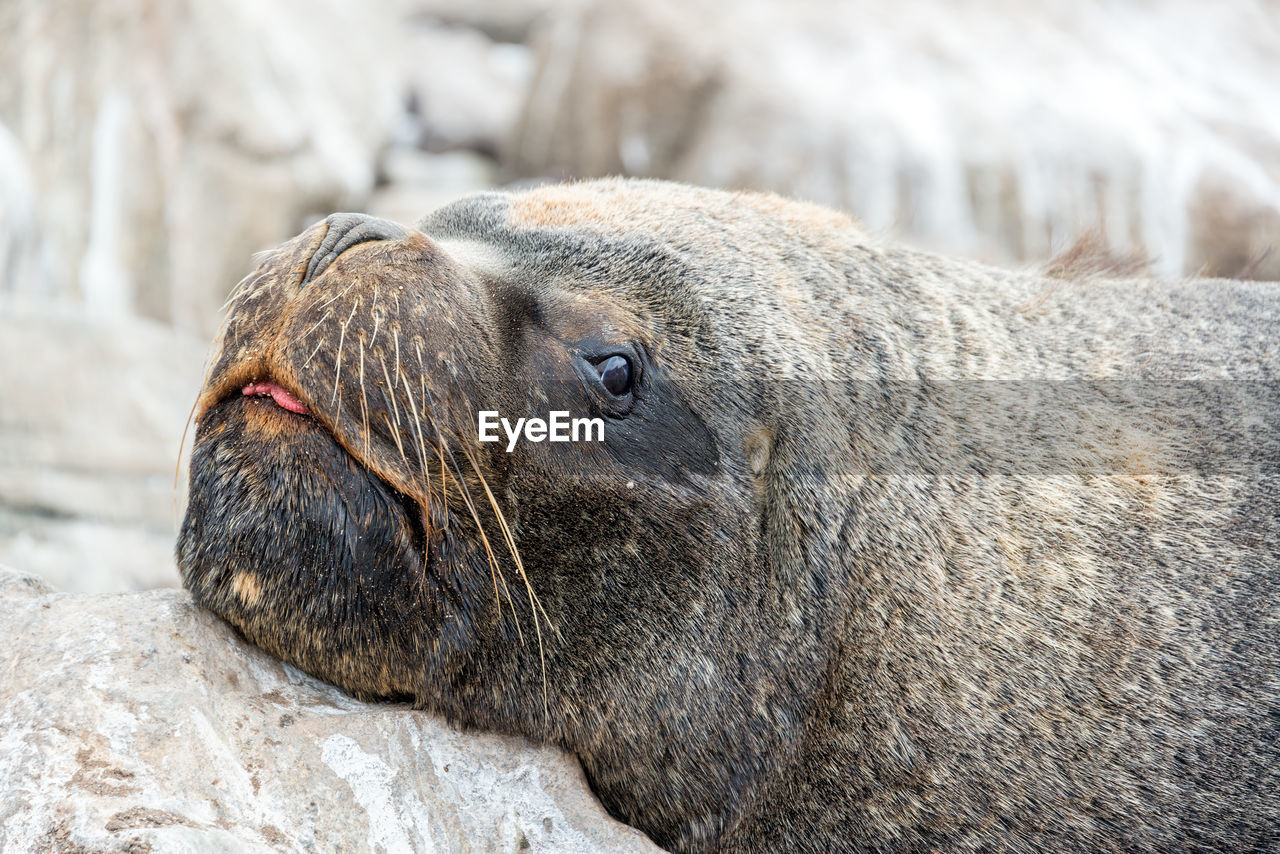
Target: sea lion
880	551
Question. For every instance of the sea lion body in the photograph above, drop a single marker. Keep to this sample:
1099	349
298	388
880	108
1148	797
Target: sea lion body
881	551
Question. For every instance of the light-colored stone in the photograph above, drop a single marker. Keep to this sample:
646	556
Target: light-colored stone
419	182
466	89
501	20
138	719
91	421
1002	130
150	148
89	555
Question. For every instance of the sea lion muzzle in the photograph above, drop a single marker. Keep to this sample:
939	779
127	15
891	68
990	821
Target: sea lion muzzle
307	527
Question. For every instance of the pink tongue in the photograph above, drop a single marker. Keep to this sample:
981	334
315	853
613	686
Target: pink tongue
279	395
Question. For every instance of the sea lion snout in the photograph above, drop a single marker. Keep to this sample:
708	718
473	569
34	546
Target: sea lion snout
327	473
347	230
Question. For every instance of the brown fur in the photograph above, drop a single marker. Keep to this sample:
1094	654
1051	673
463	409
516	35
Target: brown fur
893	552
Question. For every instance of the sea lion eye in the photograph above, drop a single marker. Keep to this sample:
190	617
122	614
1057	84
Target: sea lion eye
615	375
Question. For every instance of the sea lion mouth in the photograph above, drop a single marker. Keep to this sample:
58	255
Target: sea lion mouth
282	397
415	514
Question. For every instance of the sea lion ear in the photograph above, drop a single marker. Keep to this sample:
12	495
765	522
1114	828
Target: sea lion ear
758	448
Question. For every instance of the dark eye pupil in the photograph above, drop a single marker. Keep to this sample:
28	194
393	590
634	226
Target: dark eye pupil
615	375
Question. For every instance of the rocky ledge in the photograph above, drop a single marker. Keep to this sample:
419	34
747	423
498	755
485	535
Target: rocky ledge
137	722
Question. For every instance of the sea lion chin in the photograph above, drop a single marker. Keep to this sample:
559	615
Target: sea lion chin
830	579
280	514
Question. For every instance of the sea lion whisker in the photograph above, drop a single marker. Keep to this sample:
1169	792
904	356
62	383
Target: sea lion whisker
444	483
210	361
395	336
395	434
315	326
422	381
470	504
231	298
495	569
421	442
239	290
177	463
435	425
317	305
393	427
395	407
535	605
307	363
377	318
364	399
502	521
337	359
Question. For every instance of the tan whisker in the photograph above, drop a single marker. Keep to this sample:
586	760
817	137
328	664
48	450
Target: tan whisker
364	401
395	434
495	569
395	336
395	409
177	463
506	533
319	344
422	379
239	290
314	326
534	604
377	320
337	360
421	442
391	387
317	305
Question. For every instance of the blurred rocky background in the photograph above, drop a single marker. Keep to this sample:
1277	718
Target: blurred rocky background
148	148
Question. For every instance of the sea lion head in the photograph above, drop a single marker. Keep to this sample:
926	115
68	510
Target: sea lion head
650	599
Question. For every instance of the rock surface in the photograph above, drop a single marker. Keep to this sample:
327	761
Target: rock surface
421	181
152	147
999	130
91	419
138	720
500	20
466	89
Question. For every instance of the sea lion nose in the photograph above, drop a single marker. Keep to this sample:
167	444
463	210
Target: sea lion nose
345	231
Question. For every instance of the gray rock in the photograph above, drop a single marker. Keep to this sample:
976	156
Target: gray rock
139	720
501	20
91	421
419	182
151	148
466	89
999	130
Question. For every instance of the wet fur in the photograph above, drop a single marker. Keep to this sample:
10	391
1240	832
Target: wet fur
832	587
